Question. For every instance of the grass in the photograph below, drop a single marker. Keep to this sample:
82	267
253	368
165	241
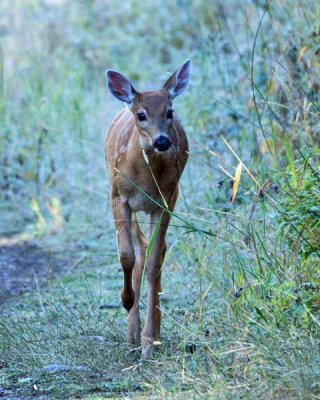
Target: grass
241	279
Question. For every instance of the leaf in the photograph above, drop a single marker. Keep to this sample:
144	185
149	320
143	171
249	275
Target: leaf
289	151
236	182
260	313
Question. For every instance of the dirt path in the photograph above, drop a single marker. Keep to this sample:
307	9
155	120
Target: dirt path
25	266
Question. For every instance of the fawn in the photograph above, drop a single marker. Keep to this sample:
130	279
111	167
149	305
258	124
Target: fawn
146	152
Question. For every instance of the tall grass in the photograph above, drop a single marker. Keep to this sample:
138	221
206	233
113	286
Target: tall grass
241	277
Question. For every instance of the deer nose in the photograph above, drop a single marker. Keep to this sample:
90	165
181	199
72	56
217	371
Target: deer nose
162	143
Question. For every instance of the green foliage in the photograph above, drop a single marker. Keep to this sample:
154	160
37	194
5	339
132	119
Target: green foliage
299	217
300	207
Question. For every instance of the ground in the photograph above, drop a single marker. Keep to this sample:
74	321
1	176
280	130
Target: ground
25	266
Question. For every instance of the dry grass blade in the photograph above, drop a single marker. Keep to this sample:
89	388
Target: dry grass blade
303	51
224	171
238	158
236	182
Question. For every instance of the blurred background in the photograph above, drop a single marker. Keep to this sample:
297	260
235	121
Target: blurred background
251	115
55	109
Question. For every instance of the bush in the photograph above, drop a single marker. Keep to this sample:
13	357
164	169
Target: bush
299	217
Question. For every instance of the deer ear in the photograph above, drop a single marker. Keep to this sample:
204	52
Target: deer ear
179	80
120	86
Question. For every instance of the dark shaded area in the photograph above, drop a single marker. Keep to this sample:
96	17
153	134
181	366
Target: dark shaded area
23	267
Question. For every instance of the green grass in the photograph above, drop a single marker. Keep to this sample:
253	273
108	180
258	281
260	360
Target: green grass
241	282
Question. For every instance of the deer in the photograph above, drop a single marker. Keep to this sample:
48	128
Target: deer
146	152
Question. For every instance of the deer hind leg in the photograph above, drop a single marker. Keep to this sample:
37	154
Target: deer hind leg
151	330
140	245
157	311
122	216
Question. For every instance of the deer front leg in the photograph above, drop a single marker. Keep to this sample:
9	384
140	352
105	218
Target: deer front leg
151	329
122	217
140	245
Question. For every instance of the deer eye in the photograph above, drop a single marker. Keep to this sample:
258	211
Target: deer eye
170	114
141	116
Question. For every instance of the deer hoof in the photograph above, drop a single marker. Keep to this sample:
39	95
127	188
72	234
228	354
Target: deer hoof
147	348
134	327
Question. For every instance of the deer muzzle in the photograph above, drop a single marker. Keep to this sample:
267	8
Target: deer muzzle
162	143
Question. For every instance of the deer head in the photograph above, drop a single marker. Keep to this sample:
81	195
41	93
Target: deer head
152	111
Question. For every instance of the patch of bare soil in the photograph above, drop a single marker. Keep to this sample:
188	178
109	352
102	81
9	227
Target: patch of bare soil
25	266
